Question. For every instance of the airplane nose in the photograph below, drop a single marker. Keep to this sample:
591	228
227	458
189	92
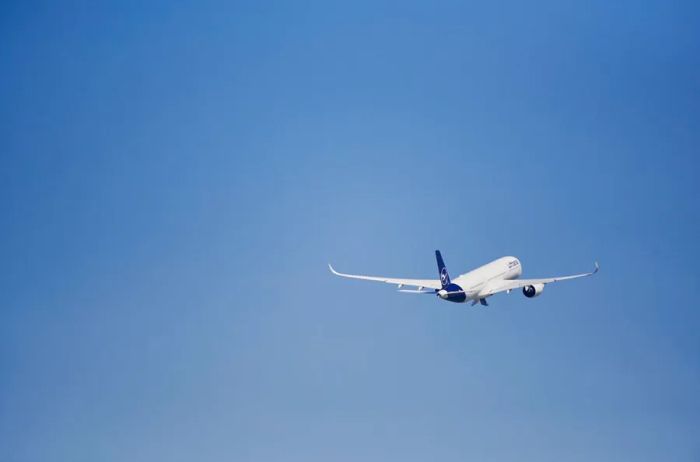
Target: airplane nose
442	294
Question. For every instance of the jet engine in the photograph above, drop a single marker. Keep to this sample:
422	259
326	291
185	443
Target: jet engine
533	290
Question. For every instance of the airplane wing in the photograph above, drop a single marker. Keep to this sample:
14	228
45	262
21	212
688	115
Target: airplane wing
495	287
420	283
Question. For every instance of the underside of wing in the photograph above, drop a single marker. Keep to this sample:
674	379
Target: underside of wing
495	287
420	283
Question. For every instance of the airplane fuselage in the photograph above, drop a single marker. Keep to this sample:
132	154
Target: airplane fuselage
472	282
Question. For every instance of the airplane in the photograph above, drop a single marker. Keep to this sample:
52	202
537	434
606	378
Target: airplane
477	285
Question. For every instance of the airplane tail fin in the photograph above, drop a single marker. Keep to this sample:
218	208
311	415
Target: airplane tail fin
444	277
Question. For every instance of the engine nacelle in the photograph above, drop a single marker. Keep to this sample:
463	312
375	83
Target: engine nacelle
533	290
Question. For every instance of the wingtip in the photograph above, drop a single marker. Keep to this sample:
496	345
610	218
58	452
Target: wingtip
332	270
597	267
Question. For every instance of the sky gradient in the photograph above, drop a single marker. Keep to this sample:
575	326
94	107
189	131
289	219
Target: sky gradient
176	176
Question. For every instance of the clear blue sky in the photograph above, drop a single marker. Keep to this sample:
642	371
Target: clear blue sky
176	175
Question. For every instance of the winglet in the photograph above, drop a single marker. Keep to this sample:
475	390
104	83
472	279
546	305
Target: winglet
332	270
597	267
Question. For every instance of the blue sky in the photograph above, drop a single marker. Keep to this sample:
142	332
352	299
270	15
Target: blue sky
176	175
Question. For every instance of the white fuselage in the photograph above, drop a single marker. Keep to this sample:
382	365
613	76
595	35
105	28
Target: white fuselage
475	280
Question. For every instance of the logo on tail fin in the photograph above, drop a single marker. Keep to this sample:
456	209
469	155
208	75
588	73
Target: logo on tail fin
444	277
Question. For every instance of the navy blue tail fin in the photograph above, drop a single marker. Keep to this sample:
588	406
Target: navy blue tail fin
444	277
